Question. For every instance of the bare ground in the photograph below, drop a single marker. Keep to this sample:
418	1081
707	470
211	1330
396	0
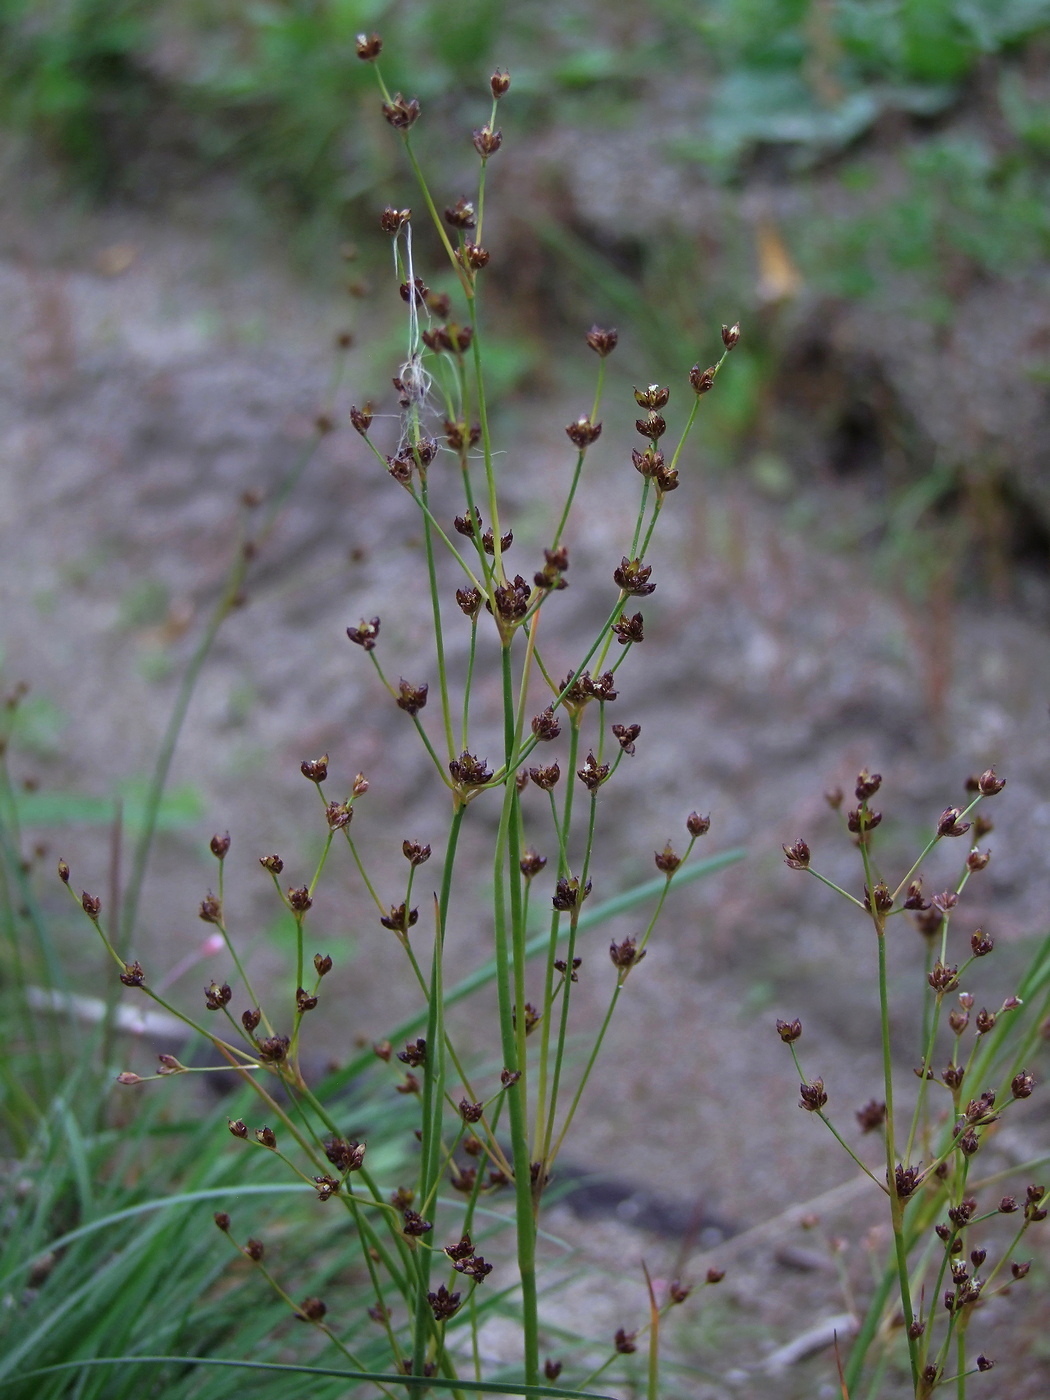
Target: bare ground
147	380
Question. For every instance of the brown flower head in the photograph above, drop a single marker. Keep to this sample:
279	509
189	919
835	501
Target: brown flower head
217	996
365	635
462	214
469	771
629	629
583	432
797	856
394	220
812	1096
411	698
871	1116
531	863
402	113
702	380
369	47
546	724
950	823
486	141
593	773
602	342
633	577
625	735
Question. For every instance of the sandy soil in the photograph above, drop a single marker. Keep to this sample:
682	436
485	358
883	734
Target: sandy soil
147	380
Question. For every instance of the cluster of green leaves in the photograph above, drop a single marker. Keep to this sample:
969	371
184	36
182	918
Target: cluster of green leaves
817	73
273	88
963	206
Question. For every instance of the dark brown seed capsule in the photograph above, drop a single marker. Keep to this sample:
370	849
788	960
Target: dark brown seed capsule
583	432
486	141
546	724
702	380
629	629
633	577
812	1096
361	418
462	214
393	220
365	635
871	1116
625	735
402	113
217	996
531	863
411	698
210	910
652	397
667	860
369	47
133	975
950	823
602	341
797	857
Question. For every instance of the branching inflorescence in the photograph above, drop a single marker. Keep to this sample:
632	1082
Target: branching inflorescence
939	1275
478	1133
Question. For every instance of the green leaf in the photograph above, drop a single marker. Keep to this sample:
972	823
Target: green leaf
180	807
553	1392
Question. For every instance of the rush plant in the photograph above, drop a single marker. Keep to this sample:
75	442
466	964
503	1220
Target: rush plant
955	1236
487	1132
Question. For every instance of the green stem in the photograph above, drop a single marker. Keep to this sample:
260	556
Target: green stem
506	937
439	636
434	1089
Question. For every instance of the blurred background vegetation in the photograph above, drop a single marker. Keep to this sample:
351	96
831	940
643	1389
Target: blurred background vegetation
688	161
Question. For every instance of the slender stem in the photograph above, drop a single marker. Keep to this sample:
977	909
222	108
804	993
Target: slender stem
434	1088
516	1100
549	1106
896	1205
439	636
837	888
469	680
570	498
486	445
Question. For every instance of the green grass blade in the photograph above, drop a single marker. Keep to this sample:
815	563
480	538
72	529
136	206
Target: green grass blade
552	1392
